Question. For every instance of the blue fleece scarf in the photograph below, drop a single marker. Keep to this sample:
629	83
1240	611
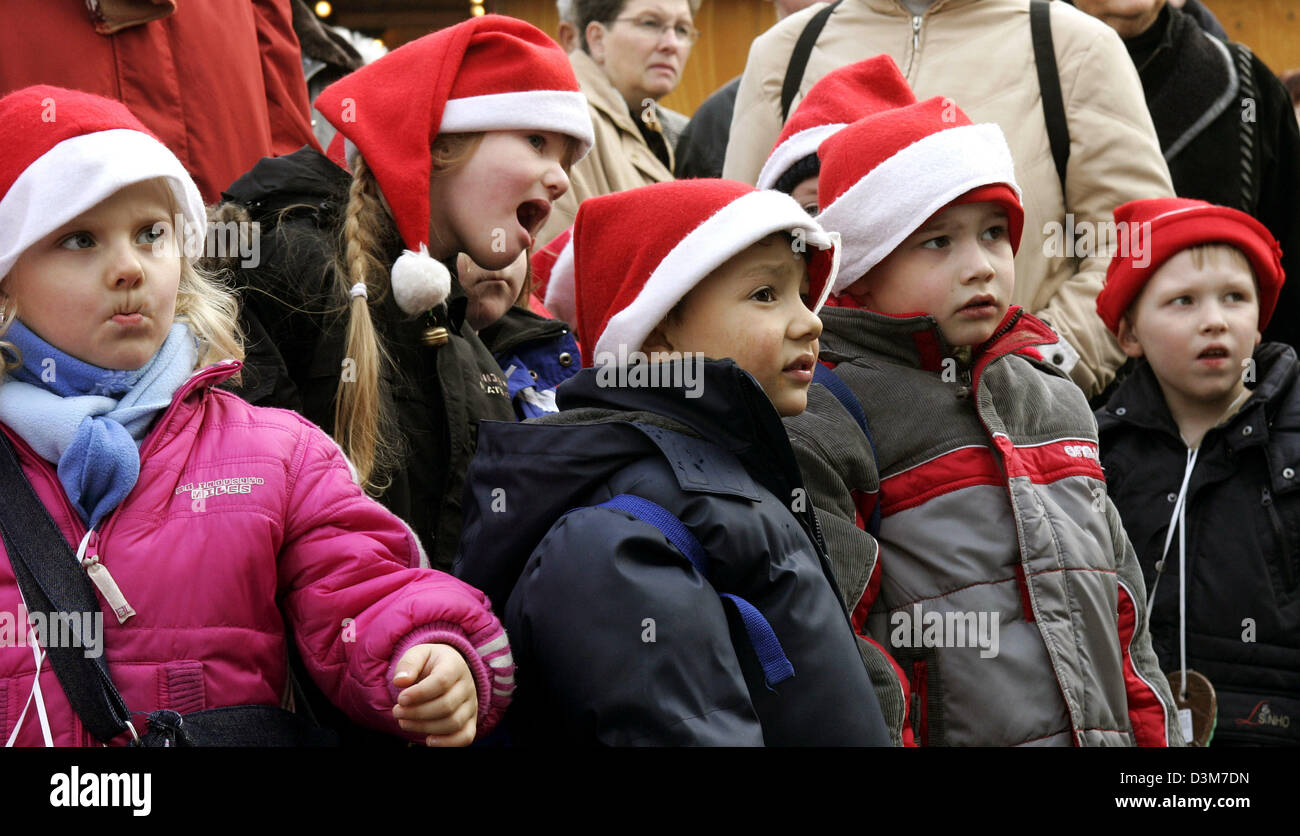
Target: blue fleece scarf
91	420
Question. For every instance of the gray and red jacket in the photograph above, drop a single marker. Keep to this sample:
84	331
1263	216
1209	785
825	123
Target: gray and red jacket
994	522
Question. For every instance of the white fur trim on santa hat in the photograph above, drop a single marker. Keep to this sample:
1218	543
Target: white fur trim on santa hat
878	212
419	281
745	221
561	297
79	173
561	111
792	151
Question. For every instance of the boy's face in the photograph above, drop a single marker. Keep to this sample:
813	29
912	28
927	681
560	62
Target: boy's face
752	310
956	268
806	194
102	287
1196	326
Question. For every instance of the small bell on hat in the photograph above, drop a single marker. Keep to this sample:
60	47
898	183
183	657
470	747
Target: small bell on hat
490	73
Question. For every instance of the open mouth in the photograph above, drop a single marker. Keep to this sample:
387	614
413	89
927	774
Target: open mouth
1213	352
532	215
803	364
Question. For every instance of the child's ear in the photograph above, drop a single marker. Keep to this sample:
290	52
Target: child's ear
1128	340
657	340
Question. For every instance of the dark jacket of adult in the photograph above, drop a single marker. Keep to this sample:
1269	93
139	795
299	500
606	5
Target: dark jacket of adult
1228	132
1242	540
702	148
617	639
297	345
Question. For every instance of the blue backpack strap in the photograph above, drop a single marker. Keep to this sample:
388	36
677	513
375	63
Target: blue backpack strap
843	394
771	656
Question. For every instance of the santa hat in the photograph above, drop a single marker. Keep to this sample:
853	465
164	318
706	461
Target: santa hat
887	174
62	152
490	73
635	254
1165	227
840	98
543	261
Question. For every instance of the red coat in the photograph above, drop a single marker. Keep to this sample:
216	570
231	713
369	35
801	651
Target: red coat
244	517
221	84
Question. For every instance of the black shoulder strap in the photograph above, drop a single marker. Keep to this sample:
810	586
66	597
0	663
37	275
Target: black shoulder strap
1249	169
799	58
1049	82
54	586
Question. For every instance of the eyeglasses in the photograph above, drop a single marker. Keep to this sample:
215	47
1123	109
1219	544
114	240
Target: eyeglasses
654	27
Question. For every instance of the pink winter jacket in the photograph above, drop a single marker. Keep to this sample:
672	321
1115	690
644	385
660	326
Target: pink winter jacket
244	518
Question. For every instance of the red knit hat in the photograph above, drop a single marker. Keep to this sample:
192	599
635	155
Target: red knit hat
1169	225
887	174
635	254
839	99
489	73
64	151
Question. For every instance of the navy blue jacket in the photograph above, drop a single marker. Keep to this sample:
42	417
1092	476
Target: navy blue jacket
617	639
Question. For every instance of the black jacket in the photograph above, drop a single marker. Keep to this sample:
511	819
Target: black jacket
702	147
1218	110
1243	540
297	343
616	639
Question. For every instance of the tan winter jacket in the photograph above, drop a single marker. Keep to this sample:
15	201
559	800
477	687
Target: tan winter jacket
619	159
979	53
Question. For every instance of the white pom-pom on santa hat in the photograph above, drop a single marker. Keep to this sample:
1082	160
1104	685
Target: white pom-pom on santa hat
420	281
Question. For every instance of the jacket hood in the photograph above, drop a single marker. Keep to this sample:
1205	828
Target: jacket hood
727	440
305	176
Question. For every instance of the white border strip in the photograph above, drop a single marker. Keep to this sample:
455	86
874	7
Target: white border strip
562	111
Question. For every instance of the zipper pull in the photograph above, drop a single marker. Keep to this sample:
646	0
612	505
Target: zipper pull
1267	499
102	578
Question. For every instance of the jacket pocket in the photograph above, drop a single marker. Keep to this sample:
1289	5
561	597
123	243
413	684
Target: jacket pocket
1282	557
181	687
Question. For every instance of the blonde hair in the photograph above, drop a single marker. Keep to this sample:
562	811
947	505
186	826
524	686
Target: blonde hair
204	302
363	421
1215	255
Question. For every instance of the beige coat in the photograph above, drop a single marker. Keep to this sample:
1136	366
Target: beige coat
619	159
978	52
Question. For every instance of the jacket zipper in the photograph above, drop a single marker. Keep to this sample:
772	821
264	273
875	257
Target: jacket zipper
1279	533
916	45
920	704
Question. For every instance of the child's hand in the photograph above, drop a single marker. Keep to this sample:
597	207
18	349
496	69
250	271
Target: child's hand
438	697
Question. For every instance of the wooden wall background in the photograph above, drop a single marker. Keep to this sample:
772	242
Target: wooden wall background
1270	27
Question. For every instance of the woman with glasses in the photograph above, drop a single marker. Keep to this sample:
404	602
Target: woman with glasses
631	54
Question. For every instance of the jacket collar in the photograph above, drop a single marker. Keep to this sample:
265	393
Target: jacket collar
1139	401
917	342
896	8
730	411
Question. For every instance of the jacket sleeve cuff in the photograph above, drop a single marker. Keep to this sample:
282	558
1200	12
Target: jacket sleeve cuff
487	653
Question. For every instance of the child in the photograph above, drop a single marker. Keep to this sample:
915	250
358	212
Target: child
457	142
204	523
1204	438
1005	587
838	99
536	353
621	641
